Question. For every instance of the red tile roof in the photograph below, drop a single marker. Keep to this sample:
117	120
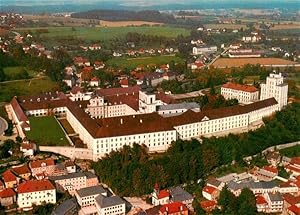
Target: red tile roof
174	207
291	199
7	193
260	200
18	110
118	91
292	168
76	89
27	146
208	204
130	100
8	176
295	160
295	209
271	169
20	170
163	194
124	82
80	60
40	163
209	189
245	88
35	186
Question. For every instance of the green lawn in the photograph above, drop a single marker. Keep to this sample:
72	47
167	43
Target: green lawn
106	33
134	62
291	152
27	87
14	70
46	131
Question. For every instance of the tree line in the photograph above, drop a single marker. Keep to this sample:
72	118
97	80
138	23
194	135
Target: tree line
133	172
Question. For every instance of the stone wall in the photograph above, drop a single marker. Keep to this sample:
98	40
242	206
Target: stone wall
70	152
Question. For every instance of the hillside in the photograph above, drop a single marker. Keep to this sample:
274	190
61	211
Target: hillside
126	15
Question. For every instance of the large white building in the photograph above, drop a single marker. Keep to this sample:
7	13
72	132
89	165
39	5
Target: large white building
204	50
243	93
35	192
110	128
275	87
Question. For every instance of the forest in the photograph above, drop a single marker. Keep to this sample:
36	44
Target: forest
125	15
186	162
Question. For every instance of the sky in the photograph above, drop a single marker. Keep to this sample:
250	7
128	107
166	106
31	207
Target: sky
126	2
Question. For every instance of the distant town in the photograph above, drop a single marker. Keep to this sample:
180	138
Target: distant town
150	112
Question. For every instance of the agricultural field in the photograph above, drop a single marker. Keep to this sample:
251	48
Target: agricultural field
104	33
46	131
104	23
239	62
15	70
26	87
134	62
227	26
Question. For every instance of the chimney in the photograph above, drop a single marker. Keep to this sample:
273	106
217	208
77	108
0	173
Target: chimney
167	209
121	121
181	208
141	121
133	116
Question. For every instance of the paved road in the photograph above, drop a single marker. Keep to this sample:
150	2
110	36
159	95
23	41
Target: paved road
3	125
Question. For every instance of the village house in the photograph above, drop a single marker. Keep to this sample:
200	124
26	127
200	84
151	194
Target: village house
94	82
86	196
42	168
178	194
112	205
267	173
160	197
210	193
74	181
7	197
22	171
99	65
35	192
174	208
10	180
94	47
208	205
80	61
28	149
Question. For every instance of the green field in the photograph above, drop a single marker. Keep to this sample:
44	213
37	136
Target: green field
105	33
14	70
46	131
26	87
291	152
134	62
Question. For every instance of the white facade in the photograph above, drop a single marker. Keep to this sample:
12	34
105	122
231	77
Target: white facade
204	50
274	87
244	97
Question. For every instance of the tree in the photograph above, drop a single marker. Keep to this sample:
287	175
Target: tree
198	210
227	201
246	202
2	75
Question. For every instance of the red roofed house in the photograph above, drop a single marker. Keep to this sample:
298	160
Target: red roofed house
10	180
99	65
45	167
197	65
8	197
80	61
208	205
22	171
27	149
243	93
94	82
160	197
294	166
261	204
210	193
124	82
174	208
267	173
290	202
35	192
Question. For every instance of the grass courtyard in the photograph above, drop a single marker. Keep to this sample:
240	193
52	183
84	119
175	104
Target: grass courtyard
46	131
105	33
